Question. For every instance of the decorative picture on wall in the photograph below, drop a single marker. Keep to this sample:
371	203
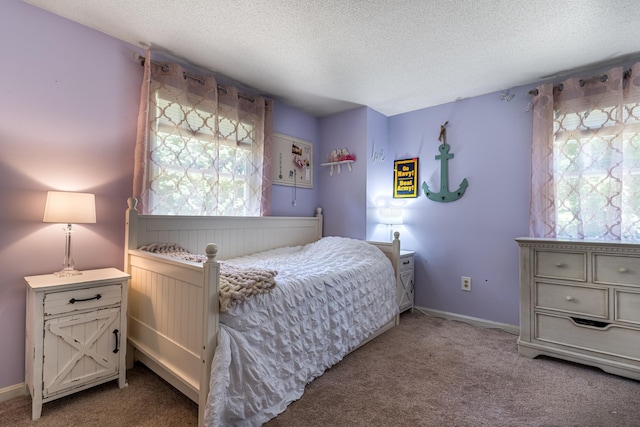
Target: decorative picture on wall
292	161
405	178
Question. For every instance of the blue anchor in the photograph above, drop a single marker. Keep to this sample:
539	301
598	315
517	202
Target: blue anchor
444	195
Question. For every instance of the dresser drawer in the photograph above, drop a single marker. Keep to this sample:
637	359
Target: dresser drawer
627	306
584	300
612	340
616	269
561	265
81	299
406	263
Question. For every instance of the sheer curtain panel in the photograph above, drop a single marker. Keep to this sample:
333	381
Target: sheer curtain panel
586	158
202	147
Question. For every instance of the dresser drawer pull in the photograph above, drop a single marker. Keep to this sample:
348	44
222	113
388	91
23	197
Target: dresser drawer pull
569	298
622	270
560	265
406	262
75	300
117	349
593	323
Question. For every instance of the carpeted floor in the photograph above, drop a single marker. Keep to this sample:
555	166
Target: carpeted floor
425	372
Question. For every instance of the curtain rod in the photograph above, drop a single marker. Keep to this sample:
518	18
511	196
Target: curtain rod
603	78
199	79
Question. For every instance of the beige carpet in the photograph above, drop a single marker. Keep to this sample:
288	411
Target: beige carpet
425	372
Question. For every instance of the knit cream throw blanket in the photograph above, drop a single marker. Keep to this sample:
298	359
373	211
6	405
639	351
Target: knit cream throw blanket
237	284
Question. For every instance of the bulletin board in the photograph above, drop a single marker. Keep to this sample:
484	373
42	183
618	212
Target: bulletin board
291	162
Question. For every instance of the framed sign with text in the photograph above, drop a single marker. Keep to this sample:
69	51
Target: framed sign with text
405	178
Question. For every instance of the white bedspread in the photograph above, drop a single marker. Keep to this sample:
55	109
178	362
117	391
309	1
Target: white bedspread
329	298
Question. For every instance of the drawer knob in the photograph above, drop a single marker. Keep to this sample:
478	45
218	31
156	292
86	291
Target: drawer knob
559	264
622	270
569	298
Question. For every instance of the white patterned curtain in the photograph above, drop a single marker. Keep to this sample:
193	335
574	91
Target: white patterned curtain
586	158
202	147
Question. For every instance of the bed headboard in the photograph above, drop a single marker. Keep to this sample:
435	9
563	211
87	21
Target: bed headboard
234	236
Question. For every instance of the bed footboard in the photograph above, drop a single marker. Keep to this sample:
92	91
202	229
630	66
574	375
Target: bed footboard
173	319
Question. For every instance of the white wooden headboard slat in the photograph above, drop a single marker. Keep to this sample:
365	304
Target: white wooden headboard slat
234	236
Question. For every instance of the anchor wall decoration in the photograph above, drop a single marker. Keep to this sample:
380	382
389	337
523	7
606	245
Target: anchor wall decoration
444	195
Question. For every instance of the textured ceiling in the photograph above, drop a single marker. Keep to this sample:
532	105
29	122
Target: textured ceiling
391	55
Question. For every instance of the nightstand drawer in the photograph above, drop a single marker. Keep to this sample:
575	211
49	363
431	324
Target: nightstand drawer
81	299
588	301
561	265
621	270
406	263
606	338
627	306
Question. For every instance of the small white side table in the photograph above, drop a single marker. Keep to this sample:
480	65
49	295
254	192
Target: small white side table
405	290
76	333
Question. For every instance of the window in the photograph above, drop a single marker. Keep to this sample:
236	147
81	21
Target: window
597	171
586	167
203	160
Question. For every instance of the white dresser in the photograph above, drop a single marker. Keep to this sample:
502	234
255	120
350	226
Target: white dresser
580	301
76	333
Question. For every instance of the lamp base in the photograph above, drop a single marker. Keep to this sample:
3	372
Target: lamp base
67	272
68	266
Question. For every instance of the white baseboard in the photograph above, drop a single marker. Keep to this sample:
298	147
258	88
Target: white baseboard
12	391
512	329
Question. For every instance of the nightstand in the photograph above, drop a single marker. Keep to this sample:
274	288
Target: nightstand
405	290
76	333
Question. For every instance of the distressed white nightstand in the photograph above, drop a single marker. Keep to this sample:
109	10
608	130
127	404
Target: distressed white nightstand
76	333
405	290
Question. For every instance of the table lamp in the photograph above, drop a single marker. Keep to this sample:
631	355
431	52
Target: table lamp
69	208
390	216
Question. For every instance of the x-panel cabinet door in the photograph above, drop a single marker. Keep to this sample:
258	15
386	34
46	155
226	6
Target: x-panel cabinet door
406	292
79	349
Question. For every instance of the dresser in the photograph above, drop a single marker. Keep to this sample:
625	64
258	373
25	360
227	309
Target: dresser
580	301
76	331
405	287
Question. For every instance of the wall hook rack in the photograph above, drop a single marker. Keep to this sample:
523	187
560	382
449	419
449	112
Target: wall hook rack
338	166
338	158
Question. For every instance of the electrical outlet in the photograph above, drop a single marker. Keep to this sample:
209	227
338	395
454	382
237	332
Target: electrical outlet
466	283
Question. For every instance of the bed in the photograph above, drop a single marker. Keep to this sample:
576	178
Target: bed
174	315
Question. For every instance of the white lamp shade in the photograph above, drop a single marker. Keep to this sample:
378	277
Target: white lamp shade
70	208
390	216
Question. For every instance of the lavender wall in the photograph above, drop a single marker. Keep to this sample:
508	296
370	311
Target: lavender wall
293	122
379	183
473	236
68	110
343	196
